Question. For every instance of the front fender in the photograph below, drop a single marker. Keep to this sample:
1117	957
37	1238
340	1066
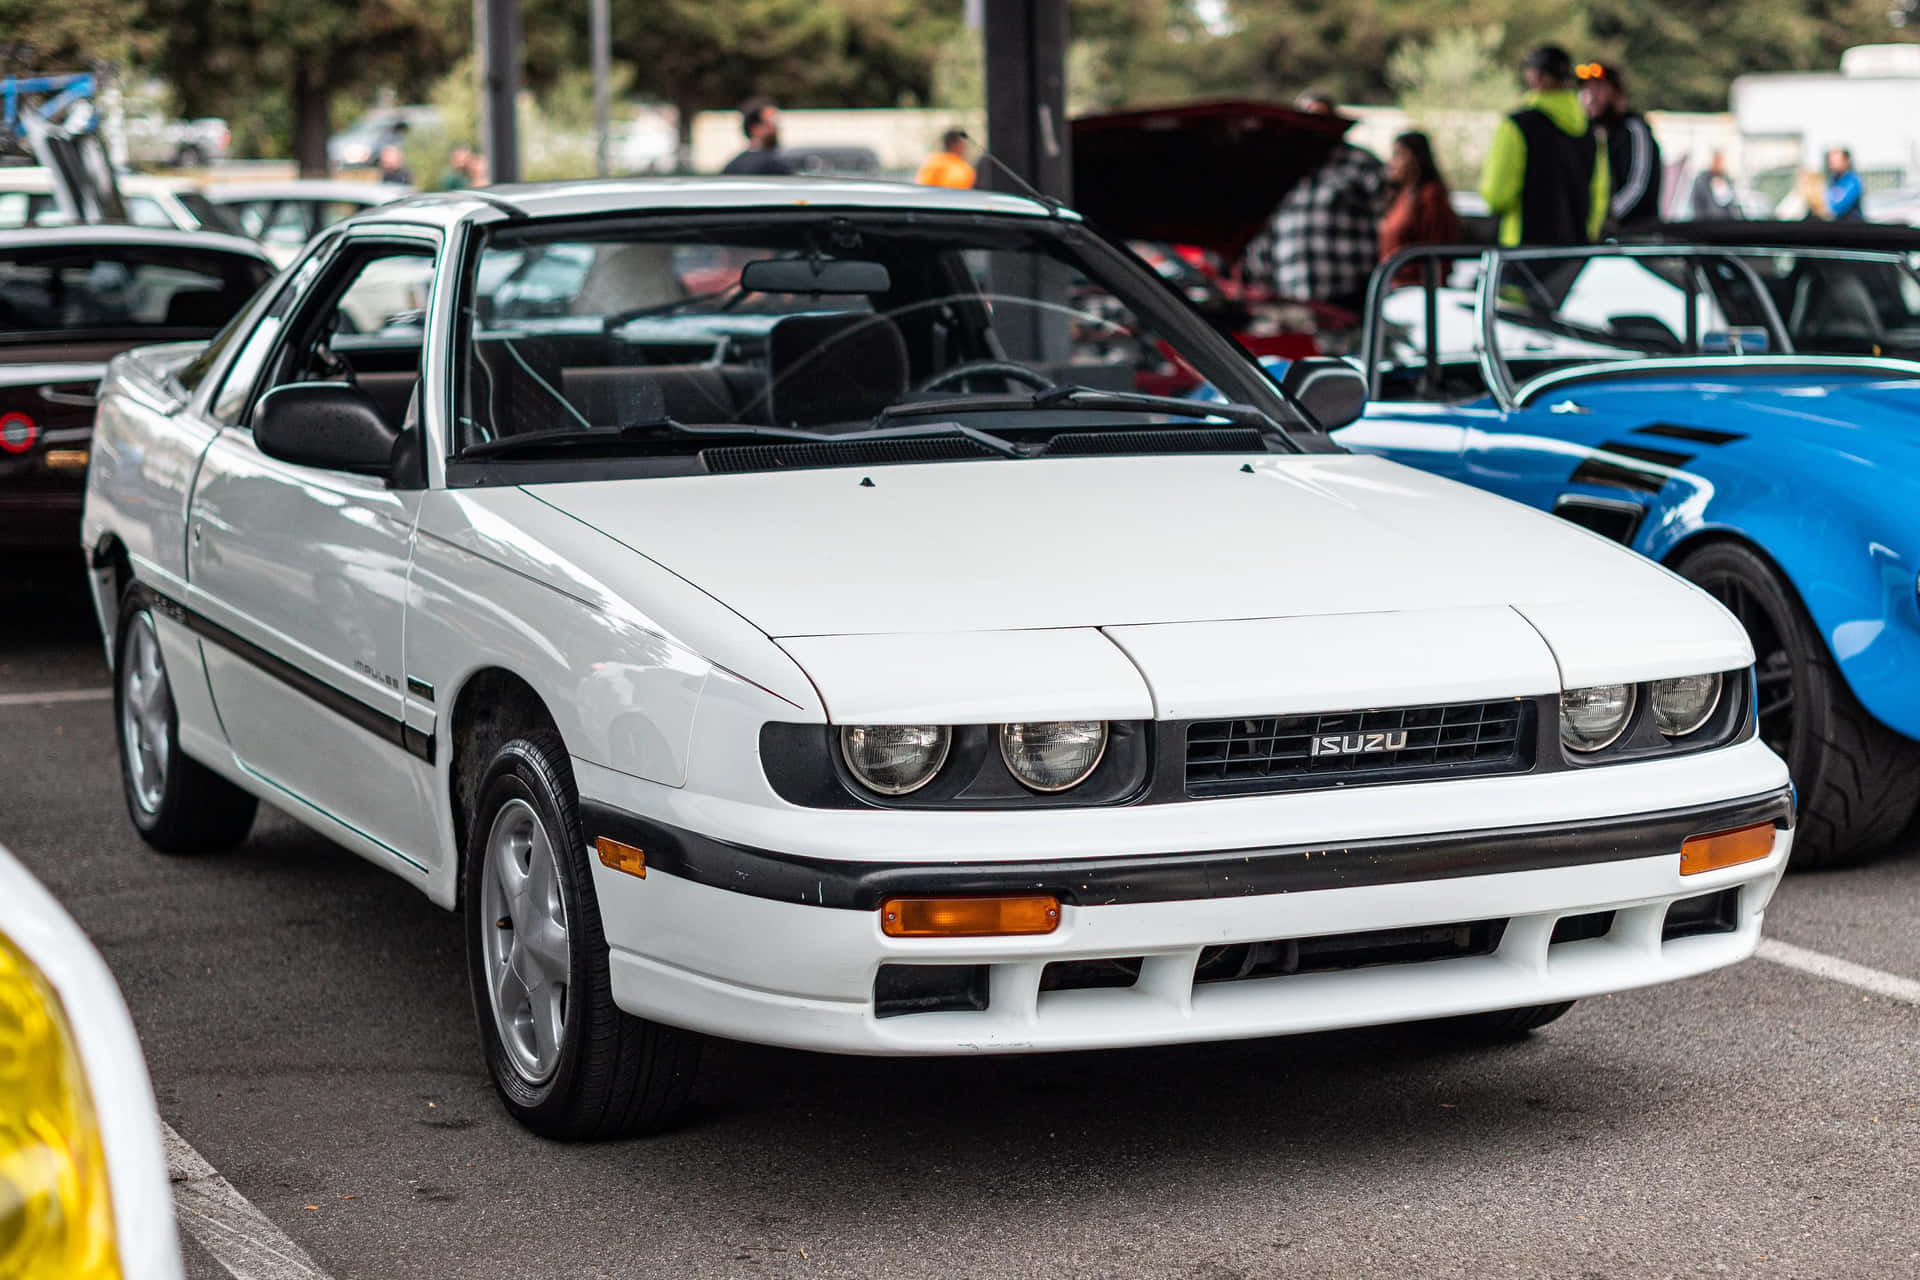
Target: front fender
1845	532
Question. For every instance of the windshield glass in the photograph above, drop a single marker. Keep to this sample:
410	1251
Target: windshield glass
819	321
150	291
1557	311
1842	304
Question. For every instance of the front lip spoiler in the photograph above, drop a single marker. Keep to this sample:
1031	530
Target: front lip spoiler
1183	877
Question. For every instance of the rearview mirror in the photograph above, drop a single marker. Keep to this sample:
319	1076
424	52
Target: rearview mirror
811	275
332	425
1333	392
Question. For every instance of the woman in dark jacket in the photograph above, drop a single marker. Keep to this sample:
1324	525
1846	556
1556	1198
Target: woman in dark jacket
1420	212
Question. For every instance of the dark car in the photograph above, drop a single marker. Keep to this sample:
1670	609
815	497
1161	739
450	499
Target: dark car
72	298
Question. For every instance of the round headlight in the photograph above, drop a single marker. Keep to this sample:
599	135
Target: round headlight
1683	704
894	759
1052	755
1594	718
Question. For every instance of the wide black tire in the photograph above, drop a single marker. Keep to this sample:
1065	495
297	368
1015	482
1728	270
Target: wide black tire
1505	1024
616	1075
194	810
1858	781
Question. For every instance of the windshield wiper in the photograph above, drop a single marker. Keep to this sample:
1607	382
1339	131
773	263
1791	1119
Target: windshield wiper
562	438
614	437
1092	400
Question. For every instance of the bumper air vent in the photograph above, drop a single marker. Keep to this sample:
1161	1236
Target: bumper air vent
929	988
1708	913
1348	951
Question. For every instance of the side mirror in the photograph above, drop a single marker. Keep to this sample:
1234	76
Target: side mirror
332	425
1333	392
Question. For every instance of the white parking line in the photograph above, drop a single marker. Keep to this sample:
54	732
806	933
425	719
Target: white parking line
1821	965
226	1224
50	696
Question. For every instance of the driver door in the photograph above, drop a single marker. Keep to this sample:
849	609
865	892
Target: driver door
299	573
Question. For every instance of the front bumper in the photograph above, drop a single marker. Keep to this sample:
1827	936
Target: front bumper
786	950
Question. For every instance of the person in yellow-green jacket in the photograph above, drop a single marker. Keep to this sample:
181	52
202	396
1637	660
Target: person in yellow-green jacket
1546	176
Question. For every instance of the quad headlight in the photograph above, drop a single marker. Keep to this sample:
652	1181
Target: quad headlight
1594	718
1683	704
1053	755
895	759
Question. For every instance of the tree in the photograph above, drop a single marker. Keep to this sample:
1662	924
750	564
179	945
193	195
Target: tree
223	52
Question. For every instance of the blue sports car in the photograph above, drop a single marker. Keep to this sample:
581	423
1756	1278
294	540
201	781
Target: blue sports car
1733	414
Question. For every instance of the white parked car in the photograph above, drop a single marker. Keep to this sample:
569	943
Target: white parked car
766	609
283	216
82	1166
27	200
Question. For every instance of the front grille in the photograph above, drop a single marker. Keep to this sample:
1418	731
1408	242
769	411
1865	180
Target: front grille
1274	753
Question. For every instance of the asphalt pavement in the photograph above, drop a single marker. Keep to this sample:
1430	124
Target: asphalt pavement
307	1024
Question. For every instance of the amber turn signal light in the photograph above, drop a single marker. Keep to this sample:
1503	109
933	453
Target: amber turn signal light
621	857
1726	848
968	917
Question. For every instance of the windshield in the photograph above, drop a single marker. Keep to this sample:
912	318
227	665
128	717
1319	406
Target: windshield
1558	311
824	322
149	291
1842	304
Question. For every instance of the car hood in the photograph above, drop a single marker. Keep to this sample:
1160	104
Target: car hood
1106	542
1848	409
1203	173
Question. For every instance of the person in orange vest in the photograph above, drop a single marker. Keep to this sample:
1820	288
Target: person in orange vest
948	166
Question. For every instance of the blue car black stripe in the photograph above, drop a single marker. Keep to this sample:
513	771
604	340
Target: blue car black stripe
1699	435
1618	472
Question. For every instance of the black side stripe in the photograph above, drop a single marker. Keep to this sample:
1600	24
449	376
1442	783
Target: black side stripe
342	704
1618	472
1698	435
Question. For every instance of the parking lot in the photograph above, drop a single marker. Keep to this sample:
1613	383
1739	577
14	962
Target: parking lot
307	1023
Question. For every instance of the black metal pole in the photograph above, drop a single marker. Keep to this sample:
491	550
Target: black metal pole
503	86
1026	46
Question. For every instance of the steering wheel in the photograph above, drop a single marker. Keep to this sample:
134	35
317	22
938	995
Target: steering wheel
1003	369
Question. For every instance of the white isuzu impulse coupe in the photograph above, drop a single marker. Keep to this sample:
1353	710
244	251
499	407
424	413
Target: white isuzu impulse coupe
770	609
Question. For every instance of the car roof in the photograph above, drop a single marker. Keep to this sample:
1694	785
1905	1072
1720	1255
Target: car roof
368	193
119	234
648	195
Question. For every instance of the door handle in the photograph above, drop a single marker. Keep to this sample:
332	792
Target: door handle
1569	406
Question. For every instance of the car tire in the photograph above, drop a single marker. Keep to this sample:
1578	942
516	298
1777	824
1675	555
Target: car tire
1505	1024
568	1063
177	804
189	157
1858	782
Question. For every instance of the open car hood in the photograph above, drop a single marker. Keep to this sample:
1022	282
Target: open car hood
1205	173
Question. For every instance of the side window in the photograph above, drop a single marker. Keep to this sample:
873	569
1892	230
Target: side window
286	225
231	400
363	323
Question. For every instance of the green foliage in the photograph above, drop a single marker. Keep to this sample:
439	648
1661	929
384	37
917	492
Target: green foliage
1446	85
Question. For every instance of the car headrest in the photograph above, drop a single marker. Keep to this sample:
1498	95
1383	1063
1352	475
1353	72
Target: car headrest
198	309
841	367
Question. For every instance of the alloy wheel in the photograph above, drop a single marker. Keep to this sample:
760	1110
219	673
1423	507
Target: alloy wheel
524	941
145	706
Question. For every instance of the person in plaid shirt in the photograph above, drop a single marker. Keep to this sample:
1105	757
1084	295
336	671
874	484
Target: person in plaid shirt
1323	242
